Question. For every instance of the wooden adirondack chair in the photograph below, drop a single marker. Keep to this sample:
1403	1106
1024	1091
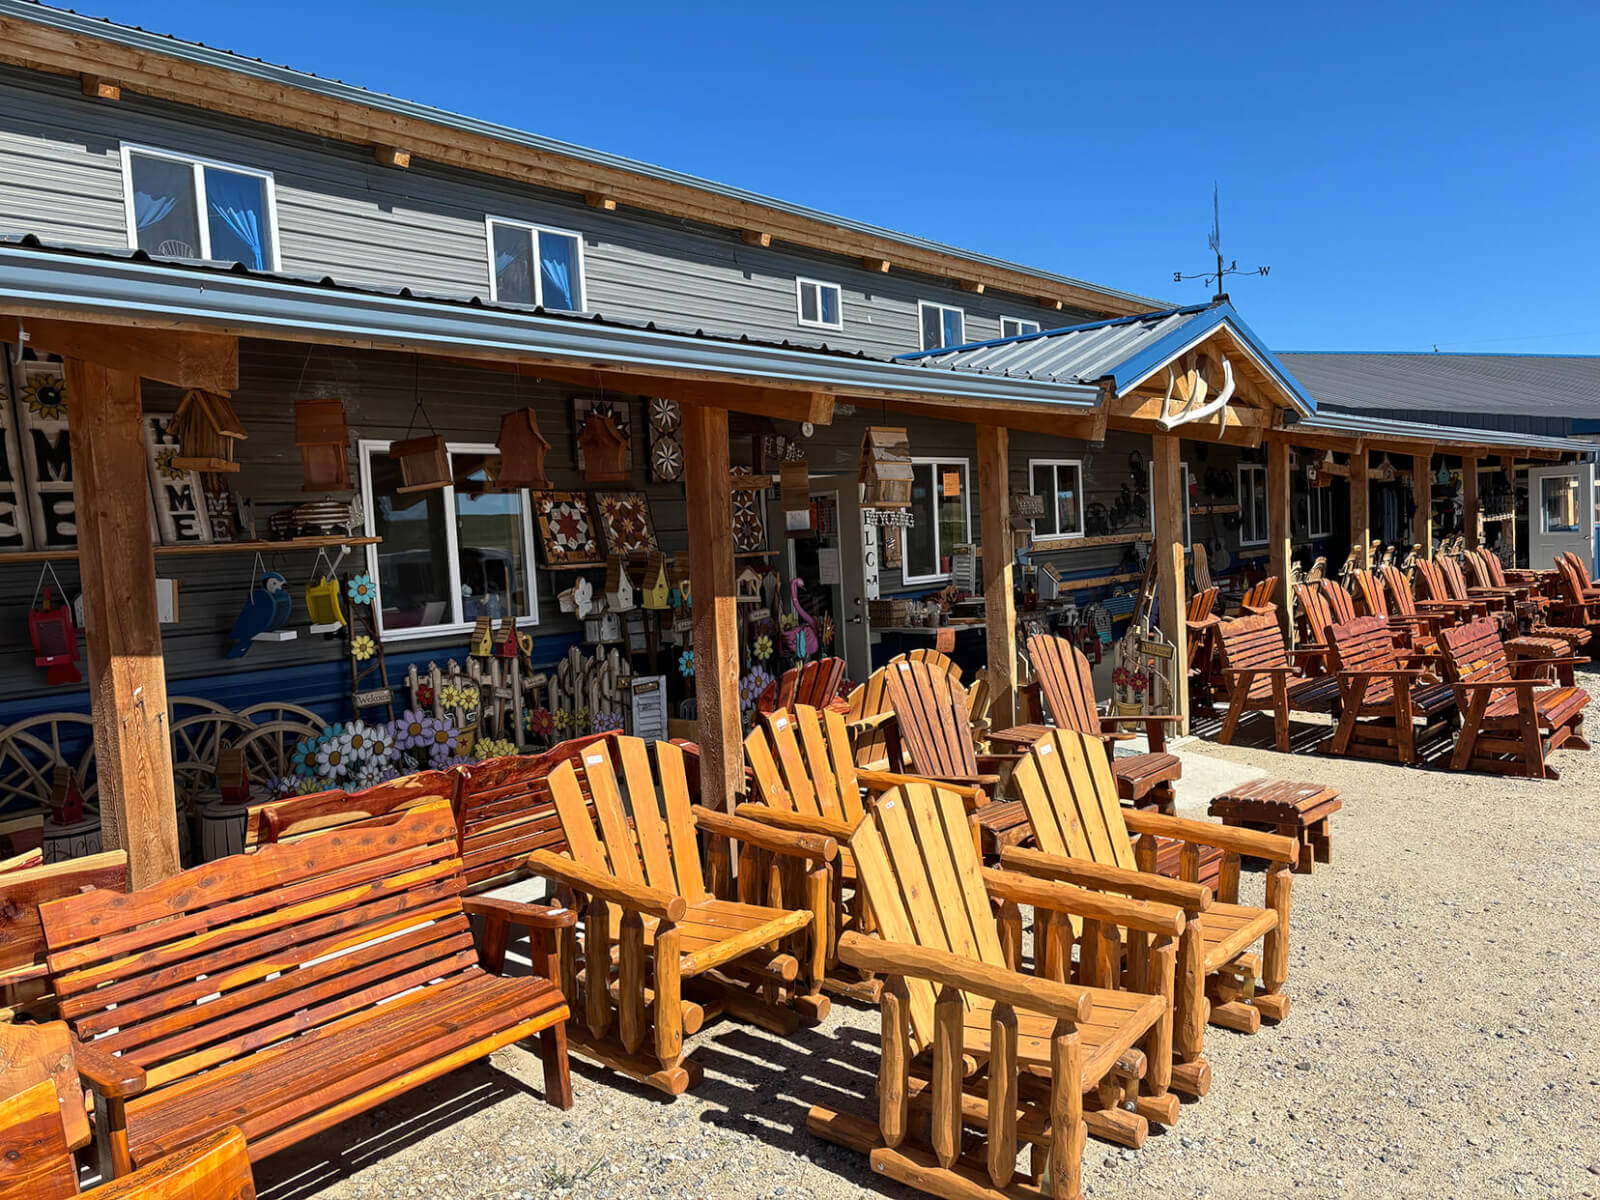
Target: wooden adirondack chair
653	924
1586	586
1576	606
1067	689
1201	621
1497	575
1509	722
975	1044
1433	591
1501	602
931	733
1083	837
1312	618
1258	673
24	981
815	683
1381	694
1415	632
1259	597
1404	606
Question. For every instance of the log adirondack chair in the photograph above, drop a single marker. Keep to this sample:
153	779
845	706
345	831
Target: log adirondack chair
1509	722
660	951
1256	669
1067	689
1382	694
24	981
1417	632
1085	837
977	1046
287	990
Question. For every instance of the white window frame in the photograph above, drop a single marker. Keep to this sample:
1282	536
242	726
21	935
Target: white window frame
1183	484
202	214
937	461
924	305
1312	532
1019	322
367	447
1245	506
800	285
534	230
1055	464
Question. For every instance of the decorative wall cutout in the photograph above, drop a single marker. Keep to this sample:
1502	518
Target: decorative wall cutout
666	441
41	406
566	529
625	517
749	533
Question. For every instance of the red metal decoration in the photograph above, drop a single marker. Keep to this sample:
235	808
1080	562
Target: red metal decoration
55	641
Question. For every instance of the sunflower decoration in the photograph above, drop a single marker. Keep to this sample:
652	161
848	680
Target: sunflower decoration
826	631
363	648
561	720
459	695
580	720
762	648
412	730
362	590
164	463
493	748
46	398
686	664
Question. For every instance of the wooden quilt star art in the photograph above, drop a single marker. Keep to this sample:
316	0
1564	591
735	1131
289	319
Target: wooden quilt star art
566	530
625	517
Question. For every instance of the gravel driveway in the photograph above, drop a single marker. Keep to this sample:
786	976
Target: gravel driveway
1442	1041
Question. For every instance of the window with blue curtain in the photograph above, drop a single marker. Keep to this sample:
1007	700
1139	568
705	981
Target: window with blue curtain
236	206
165	219
942	325
187	208
557	282
558	271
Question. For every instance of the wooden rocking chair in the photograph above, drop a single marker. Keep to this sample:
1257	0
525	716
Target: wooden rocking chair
970	1043
1083	835
1381	694
660	951
1509	722
1256	668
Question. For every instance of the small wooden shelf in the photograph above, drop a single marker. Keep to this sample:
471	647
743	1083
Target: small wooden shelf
1058	545
258	547
1078	585
1208	510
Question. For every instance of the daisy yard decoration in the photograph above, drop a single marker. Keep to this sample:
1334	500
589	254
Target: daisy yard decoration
752	685
492	748
762	648
686	663
442	742
360	741
333	756
361	589
362	648
606	721
413	730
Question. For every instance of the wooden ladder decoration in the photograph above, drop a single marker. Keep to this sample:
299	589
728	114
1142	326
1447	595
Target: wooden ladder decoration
369	679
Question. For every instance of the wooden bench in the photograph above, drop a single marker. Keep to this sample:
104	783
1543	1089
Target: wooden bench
296	817
23	971
1254	664
1382	694
1509	722
1300	811
287	990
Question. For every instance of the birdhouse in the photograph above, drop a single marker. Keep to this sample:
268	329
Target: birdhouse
657	588
206	427
747	587
322	605
506	644
323	438
605	450
66	797
55	641
424	463
522	451
1049	583
482	643
886	468
233	777
605	628
619	588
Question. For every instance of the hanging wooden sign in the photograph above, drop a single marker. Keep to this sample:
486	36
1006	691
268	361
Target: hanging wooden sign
1027	505
46	455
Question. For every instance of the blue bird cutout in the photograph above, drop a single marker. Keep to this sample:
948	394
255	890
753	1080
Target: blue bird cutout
267	608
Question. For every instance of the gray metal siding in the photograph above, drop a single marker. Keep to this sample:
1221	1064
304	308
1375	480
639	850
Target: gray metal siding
342	215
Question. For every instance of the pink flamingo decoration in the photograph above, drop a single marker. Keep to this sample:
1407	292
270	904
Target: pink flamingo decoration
802	640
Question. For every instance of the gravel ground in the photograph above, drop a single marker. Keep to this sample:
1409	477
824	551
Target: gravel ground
1441	1042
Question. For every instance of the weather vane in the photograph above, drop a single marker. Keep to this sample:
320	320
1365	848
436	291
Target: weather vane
1222	272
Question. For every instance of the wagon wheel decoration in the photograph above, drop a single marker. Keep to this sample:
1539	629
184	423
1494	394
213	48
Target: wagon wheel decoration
665	415
181	708
196	742
269	749
748	533
666	460
30	752
279	710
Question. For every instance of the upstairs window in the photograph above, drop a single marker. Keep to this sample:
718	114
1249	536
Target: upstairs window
942	325
1060	482
529	264
818	304
1017	327
183	207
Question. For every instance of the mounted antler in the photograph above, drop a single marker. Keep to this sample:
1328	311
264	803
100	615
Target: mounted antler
1196	407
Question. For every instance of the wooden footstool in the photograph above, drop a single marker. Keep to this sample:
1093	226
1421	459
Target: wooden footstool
1301	811
1533	648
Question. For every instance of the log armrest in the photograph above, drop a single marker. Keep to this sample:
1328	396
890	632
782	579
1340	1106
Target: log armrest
882	781
1143	915
784	818
1193	898
648	901
1252	842
815	847
112	1077
1062	1001
518	912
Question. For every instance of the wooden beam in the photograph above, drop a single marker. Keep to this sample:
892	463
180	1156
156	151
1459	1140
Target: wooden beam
716	629
873	263
1051	302
1017	417
1472	525
209	361
1166	494
99	88
973	286
1282	546
1508	464
1422	500
392	156
117	571
1360	506
600	201
999	604
755	237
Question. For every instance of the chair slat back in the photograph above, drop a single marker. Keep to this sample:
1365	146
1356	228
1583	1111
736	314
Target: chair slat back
915	857
815	683
871	699
1261	593
1200	562
1065	683
1251	642
1432	580
1570	581
930	710
1454	581
1400	595
937	659
1366	644
214	963
1374	603
1340	606
296	817
1312	605
1474	653
801	762
1202	604
22	945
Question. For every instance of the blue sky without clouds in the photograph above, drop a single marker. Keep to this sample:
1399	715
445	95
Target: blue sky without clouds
1414	174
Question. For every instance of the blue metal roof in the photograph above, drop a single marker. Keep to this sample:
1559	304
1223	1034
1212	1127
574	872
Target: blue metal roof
1122	352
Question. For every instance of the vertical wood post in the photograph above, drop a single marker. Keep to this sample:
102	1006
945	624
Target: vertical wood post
1422	498
709	492
1471	526
999	605
1360	507
1282	549
1167	500
1508	463
117	569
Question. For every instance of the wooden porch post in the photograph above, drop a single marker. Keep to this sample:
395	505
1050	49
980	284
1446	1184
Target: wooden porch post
117	568
1471	526
1422	498
708	488
1282	549
999	605
1167	500
1360	506
1508	464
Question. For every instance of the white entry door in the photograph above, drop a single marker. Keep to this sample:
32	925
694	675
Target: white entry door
1561	504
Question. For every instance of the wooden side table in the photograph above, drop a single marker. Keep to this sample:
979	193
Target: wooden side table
1302	811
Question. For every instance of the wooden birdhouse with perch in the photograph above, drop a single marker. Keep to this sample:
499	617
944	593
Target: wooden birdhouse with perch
522	452
424	463
605	450
747	586
66	797
506	642
886	468
206	427
619	588
324	440
657	587
233	777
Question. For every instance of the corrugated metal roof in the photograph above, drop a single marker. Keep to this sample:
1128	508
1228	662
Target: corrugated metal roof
1379	429
1495	385
166	44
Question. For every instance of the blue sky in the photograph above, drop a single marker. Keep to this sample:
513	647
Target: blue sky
1415	175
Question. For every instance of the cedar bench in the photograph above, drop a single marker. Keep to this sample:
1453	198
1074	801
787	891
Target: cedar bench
284	991
1301	811
1535	648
